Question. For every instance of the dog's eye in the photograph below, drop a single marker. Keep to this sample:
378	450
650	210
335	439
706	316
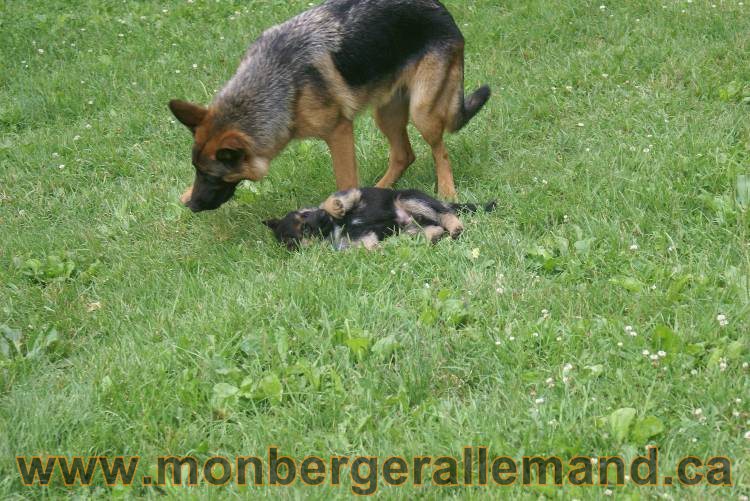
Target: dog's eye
229	156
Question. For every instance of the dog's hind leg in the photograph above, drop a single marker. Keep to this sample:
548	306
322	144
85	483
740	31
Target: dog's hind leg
434	97
452	224
433	233
392	119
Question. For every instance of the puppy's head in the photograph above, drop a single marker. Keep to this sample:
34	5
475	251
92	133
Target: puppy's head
300	226
222	156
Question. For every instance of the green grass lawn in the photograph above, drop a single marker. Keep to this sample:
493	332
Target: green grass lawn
617	143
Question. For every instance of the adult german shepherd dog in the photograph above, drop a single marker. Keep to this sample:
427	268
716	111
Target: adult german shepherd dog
310	76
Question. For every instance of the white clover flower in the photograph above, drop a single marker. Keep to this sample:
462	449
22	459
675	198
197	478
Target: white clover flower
654	357
646	353
634	247
608	492
41	51
620	344
662	354
498	342
723	364
539	401
722	319
567	368
697	412
512	338
535	334
747	435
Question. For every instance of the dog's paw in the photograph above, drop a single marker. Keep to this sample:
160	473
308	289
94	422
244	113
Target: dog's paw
456	231
334	207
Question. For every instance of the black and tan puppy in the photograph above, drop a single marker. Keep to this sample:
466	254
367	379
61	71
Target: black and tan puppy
363	217
310	76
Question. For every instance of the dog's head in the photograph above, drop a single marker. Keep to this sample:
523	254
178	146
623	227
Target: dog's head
300	226
222	155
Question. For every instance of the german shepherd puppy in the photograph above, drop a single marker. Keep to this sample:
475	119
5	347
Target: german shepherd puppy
310	76
363	217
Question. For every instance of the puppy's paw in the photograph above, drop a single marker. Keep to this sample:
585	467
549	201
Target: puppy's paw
456	231
334	207
433	234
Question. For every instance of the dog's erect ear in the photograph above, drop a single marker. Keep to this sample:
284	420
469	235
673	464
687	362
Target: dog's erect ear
272	223
189	114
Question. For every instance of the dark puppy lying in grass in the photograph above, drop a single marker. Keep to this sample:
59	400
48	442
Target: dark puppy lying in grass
365	216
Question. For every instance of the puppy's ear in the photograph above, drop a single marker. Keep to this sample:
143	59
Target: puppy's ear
272	223
189	114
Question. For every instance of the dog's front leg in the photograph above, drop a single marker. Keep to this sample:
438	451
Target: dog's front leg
341	143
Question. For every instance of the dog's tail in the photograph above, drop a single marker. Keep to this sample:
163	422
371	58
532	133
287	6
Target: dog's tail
471	106
472	208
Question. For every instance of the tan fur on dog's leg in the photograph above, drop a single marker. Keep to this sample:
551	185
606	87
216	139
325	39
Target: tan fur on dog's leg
445	186
369	242
432	107
341	144
392	119
434	233
450	222
338	204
